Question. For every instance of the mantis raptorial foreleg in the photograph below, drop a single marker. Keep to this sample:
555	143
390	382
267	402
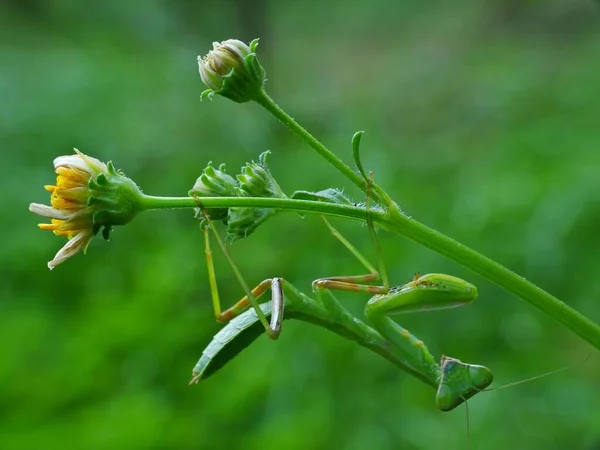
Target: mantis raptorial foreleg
456	381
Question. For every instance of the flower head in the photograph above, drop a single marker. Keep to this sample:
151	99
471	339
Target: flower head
89	196
232	70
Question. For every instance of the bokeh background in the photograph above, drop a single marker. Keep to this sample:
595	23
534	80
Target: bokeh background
482	119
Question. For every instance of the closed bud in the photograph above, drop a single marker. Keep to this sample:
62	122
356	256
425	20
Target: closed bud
232	70
214	183
256	179
241	222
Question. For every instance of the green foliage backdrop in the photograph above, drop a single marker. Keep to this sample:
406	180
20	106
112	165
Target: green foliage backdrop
481	120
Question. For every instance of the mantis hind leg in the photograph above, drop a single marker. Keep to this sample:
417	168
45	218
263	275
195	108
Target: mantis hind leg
349	282
374	273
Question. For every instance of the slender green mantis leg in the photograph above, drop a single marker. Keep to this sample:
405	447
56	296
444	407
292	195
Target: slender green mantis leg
273	329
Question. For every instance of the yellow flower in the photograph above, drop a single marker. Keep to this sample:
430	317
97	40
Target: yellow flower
88	196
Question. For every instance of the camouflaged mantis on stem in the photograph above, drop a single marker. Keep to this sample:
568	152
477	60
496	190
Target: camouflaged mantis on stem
454	380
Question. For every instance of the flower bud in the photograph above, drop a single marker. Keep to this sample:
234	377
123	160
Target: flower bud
256	179
214	183
232	70
241	222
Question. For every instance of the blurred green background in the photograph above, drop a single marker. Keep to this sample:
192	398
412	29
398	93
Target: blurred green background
482	120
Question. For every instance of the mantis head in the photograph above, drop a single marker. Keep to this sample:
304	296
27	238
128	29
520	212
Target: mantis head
459	382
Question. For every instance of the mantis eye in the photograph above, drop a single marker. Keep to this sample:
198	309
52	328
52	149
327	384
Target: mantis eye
446	398
480	376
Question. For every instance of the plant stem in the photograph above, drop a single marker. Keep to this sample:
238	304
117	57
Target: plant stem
267	102
150	202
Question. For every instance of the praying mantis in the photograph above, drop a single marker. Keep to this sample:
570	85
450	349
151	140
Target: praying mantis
454	380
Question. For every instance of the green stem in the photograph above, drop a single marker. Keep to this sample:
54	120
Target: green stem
267	102
149	202
403	225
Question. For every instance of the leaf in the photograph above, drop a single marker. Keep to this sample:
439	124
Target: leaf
330	195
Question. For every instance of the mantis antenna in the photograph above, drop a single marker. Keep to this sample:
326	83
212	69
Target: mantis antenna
543	375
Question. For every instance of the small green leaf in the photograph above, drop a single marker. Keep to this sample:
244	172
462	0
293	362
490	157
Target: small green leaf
330	195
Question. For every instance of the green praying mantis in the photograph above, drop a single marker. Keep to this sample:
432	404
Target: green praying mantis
455	381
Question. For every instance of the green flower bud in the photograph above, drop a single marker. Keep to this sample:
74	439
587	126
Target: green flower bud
241	222
232	70
214	183
89	196
256	179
